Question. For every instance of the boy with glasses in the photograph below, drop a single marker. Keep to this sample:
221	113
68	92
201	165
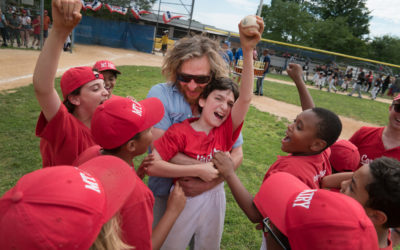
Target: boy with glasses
374	142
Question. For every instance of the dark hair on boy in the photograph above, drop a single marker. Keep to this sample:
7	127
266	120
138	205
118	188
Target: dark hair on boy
223	83
384	190
116	150
71	107
329	127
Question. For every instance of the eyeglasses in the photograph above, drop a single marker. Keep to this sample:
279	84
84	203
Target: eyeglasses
396	107
199	79
267	229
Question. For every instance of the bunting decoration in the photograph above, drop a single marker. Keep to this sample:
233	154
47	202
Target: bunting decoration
118	9
167	17
95	5
137	13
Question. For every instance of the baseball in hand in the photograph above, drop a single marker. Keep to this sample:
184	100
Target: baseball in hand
249	23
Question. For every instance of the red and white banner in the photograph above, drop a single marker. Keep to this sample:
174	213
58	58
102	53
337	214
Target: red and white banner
95	5
137	13
167	17
118	9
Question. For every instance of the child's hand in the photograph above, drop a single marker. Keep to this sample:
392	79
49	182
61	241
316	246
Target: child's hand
295	72
223	163
248	42
66	14
208	172
147	161
177	199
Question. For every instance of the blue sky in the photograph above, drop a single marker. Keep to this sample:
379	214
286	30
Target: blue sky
226	14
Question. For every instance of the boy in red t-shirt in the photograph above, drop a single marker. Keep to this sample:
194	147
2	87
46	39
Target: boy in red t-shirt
64	126
36	31
315	219
110	73
376	186
307	141
123	127
222	114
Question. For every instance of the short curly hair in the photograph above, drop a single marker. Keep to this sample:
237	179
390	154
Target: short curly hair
194	47
384	190
329	126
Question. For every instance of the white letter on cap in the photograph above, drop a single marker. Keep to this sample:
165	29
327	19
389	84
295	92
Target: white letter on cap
137	108
90	183
304	198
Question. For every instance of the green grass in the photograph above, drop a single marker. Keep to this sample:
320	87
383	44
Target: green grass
19	148
359	109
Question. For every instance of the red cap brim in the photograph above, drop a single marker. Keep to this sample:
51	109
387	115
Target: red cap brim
118	181
277	191
154	112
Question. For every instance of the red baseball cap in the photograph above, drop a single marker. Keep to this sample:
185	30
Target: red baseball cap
105	65
76	77
314	218
344	156
64	207
118	119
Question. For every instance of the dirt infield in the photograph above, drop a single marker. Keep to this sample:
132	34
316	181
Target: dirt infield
17	67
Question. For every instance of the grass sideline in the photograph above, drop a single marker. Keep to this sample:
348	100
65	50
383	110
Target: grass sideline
19	148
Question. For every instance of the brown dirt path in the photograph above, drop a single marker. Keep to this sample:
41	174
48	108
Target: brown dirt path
17	67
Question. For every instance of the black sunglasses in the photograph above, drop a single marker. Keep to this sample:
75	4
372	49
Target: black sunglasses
267	229
196	78
396	107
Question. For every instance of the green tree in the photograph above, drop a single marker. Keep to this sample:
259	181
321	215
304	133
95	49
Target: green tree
334	35
355	11
285	21
385	48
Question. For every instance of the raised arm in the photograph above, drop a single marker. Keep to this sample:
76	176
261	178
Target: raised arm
296	73
335	180
247	42
66	15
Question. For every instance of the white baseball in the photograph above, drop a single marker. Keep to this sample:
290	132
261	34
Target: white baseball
249	23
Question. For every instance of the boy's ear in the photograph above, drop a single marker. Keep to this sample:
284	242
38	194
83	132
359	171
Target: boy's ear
131	146
202	102
377	217
74	99
318	145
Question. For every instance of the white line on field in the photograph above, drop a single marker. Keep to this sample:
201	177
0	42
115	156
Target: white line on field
12	79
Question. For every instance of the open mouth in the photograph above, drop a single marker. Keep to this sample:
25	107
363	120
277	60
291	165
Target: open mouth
219	116
286	138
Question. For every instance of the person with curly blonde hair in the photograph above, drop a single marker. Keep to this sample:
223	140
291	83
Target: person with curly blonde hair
188	68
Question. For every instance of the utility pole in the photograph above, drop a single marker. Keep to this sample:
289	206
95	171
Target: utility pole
259	8
191	15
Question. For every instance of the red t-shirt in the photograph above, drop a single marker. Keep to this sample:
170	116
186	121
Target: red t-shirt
181	137
309	169
36	29
46	22
63	138
137	212
370	146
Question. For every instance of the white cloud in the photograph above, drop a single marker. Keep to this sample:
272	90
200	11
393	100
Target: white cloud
244	5
385	9
220	20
